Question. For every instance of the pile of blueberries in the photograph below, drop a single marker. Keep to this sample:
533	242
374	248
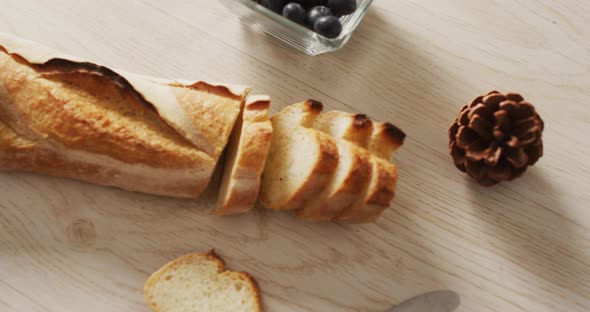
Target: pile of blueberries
319	15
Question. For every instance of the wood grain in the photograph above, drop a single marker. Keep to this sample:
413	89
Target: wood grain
522	246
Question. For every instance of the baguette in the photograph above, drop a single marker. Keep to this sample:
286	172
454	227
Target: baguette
301	160
70	118
245	158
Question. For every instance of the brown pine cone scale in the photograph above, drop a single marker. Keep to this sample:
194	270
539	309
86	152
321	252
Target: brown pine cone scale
496	137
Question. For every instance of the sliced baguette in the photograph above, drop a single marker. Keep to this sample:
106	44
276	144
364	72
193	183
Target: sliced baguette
378	196
353	173
245	158
300	161
356	128
384	140
199	282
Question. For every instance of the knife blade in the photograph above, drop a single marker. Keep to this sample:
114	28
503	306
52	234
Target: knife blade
436	301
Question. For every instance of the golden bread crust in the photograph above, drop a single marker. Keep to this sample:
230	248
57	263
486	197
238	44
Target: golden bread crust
386	139
87	122
22	154
379	194
352	175
86	112
326	208
386	184
302	114
249	146
213	113
361	173
379	140
323	170
358	130
298	118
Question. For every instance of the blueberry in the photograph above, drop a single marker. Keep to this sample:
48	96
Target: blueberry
328	26
295	12
342	7
308	4
315	13
274	5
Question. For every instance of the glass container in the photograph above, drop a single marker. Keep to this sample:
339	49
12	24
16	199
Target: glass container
293	34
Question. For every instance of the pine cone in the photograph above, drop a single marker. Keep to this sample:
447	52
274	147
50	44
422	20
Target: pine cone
496	137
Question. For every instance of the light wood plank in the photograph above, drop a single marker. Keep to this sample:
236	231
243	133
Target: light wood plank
523	246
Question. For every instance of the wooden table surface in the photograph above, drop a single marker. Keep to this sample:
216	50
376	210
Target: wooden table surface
521	246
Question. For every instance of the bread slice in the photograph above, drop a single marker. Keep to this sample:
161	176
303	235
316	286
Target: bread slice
353	173
384	140
199	282
356	128
378	196
245	158
300	161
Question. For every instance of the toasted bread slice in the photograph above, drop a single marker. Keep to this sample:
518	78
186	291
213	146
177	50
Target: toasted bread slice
199	282
245	158
300	161
356	128
385	139
353	173
377	197
302	114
